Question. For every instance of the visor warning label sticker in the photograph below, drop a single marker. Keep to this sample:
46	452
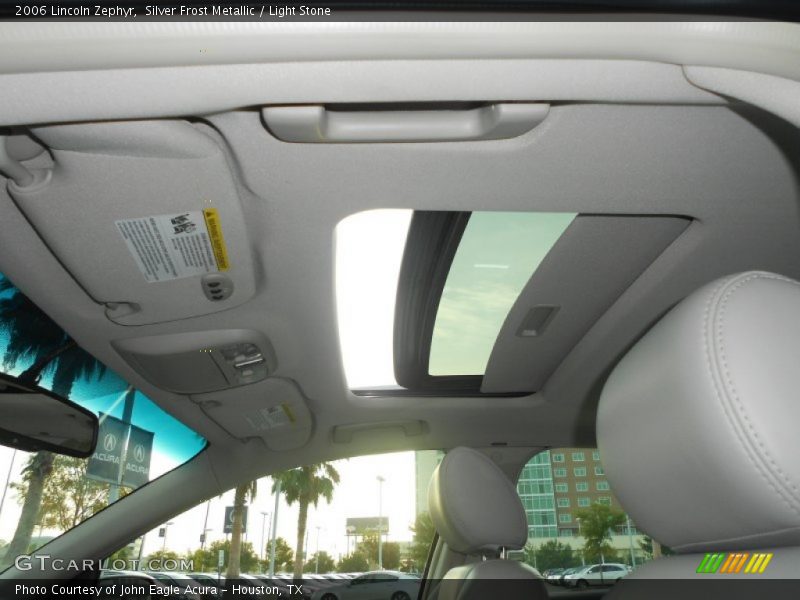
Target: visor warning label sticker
167	247
271	418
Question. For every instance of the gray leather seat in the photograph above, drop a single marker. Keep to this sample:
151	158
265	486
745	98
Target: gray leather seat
477	512
699	429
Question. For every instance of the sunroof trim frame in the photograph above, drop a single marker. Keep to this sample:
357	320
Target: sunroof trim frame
433	239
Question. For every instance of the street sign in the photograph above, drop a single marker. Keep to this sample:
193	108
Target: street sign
228	525
162	532
104	464
360	526
221	559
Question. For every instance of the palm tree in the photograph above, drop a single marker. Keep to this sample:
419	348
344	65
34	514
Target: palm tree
305	485
33	336
243	492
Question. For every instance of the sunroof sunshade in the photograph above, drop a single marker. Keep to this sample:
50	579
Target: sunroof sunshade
498	253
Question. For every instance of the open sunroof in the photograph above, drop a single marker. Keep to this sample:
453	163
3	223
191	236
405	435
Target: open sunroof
442	282
482	303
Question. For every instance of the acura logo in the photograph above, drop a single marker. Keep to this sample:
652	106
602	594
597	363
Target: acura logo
138	453
109	442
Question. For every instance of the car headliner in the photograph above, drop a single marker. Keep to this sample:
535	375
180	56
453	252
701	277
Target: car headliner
631	130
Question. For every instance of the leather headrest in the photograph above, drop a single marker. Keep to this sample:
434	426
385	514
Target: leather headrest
474	506
699	424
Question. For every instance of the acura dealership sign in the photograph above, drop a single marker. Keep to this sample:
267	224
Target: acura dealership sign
106	464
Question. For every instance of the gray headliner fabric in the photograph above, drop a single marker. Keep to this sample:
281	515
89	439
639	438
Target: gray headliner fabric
474	506
697	424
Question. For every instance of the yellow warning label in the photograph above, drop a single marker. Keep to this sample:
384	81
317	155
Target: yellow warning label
288	412
214	227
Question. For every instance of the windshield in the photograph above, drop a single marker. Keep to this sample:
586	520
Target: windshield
44	494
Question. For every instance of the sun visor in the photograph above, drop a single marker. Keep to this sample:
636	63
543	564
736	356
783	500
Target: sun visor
145	215
273	409
591	265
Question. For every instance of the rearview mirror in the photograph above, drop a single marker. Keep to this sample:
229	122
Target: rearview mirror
33	419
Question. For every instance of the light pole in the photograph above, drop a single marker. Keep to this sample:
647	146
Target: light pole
264	516
380	522
630	541
274	531
205	526
164	543
580	535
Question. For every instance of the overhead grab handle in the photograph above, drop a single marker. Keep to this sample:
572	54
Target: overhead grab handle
320	125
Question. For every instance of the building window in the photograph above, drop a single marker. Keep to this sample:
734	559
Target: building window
604	500
560	472
565	533
602	486
562	488
599	471
581	486
563	502
565	518
558	457
579	471
578	457
595	455
583	502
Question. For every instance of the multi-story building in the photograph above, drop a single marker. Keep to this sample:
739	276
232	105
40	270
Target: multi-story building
578	482
535	488
556	484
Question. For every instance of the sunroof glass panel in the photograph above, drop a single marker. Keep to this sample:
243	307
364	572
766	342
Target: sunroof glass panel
498	253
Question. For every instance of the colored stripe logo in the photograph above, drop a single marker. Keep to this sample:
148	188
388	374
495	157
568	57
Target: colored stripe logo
735	562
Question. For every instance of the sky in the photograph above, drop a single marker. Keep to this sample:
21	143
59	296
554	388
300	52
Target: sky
369	252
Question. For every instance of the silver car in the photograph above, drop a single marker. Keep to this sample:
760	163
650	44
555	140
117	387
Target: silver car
601	574
375	585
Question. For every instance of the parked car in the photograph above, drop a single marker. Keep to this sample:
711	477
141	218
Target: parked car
602	574
392	585
553	575
559	579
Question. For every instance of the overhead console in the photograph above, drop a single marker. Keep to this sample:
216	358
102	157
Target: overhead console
229	373
145	215
200	361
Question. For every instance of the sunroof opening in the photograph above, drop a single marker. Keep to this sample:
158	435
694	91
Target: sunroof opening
369	252
459	275
498	253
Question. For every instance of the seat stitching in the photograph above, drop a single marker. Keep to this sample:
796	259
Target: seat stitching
729	380
725	400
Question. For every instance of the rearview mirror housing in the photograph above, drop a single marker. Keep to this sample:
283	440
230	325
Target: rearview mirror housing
33	419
